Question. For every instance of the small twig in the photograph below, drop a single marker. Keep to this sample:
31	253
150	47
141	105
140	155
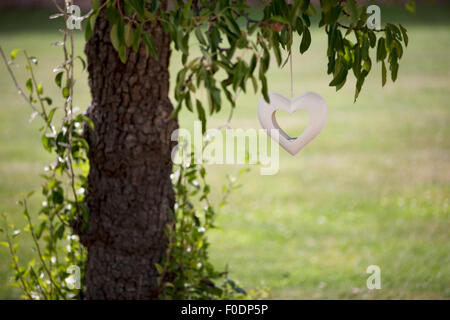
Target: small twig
21	92
359	29
38	248
33	78
16	266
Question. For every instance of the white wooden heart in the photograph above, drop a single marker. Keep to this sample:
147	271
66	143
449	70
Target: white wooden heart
309	101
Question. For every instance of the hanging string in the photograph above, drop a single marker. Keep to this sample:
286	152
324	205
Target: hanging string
290	63
292	77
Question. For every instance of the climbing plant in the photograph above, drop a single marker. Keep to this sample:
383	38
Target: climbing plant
234	48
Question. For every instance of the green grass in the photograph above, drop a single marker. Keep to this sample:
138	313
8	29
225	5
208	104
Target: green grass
373	188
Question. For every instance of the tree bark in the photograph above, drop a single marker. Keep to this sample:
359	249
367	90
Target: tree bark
130	194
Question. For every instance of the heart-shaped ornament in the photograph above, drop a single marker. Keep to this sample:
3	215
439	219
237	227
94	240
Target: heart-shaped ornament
309	101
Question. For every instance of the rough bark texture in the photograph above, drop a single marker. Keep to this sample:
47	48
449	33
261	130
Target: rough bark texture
130	194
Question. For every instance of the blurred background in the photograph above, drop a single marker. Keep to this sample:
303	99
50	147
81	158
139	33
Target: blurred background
372	189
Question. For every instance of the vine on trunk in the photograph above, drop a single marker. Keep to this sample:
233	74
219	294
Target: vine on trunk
224	32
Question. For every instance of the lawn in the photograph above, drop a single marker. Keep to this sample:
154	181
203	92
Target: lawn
372	189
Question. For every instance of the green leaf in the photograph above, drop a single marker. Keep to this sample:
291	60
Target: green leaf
51	114
188	102
29	85
90	26
138	6
58	79
129	35
353	10
200	37
159	268
264	88
4	243
280	19
46	142
86	119
137	38
394	71
14	53
340	75
201	115
39	89
383	73
411	6
404	34
82	62
149	44
123	53
381	49
66	92
276	50
96	4
60	231
40	229
48	100
187	8
255	84
306	41
234	27
114	36
88	31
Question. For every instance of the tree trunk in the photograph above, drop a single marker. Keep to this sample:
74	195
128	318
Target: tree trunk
130	194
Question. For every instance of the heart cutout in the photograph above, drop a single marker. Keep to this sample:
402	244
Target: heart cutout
309	101
292	124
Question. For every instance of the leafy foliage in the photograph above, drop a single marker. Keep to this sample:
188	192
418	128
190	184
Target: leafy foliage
225	33
235	49
57	247
186	272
